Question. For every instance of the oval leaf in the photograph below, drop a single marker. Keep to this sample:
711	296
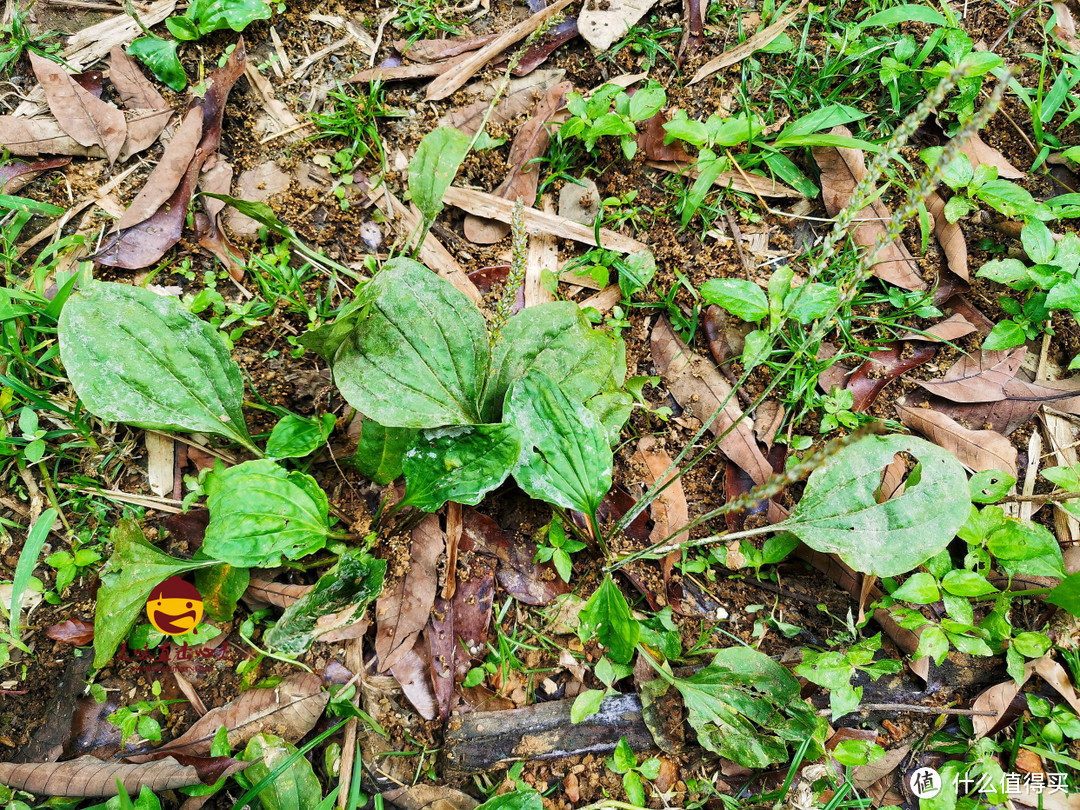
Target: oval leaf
260	511
839	514
459	463
137	357
419	355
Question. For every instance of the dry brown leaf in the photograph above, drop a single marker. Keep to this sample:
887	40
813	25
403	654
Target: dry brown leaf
880	368
401	613
981	153
865	775
952	328
1054	674
17	173
949	236
412	671
669	511
263	592
978	377
520	97
143	130
542	254
842	169
88	45
75	632
518	573
699	387
289	710
430	797
732	56
90	776
746	182
977	449
87	119
404	73
651	142
488	205
168	174
136	91
603	24
452	80
33	137
523	178
436	50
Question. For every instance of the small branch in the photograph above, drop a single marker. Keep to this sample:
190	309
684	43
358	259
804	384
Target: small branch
1054	496
906	707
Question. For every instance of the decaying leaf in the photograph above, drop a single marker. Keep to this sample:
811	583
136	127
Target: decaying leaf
999	698
538	53
952	328
650	141
733	56
73	631
289	709
523	178
87	119
169	173
436	50
980	377
521	97
602	24
430	797
151	111
842	169
527	581
949	236
32	137
401	613
17	173
412	671
977	449
746	182
882	367
698	386
403	73
90	776
981	153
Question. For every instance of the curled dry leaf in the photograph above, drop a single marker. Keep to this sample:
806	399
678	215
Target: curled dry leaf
401	613
881	368
976	449
151	111
17	173
412	671
73	631
404	73
732	56
650	141
952	328
169	172
527	581
670	512
430	797
87	119
289	710
555	39
842	169
999	698
436	50
523	178
90	776
699	387
949	236
981	153
520	97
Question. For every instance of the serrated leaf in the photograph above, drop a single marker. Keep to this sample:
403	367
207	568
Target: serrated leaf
418	355
160	56
565	459
554	338
259	512
461	463
350	585
433	167
132	572
606	616
381	450
137	357
839	513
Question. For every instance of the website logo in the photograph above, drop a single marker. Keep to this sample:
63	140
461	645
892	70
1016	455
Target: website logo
175	607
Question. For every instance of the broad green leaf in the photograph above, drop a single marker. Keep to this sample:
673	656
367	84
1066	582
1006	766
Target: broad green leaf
827	117
647	101
586	704
28	560
636	272
966	583
907	13
828	669
418	356
1011	200
744	299
138	357
182	28
1067	594
221	588
132	572
1031	645
433	167
1026	548
296	436
1038	242
746	707
919	589
565	459
684	129
295	788
811	301
990	486
612	409
554	338
214	15
1011	272
623	759
635	791
857	752
346	590
1005	335
259	512
519	799
460	463
839	513
606	616
381	450
159	55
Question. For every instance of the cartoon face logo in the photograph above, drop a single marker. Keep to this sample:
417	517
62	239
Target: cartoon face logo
174	607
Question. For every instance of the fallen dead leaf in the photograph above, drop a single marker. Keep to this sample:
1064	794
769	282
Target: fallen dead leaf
436	50
527	581
977	449
882	367
401	613
539	53
289	710
169	173
842	169
523	178
699	387
981	153
90	776
412	671
430	797
746	182
32	137
603	24
949	236
87	119
17	173
404	73
732	56
650	142
980	377
73	631
521	97
952	328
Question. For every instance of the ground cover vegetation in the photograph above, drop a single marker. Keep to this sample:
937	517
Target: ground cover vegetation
533	406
